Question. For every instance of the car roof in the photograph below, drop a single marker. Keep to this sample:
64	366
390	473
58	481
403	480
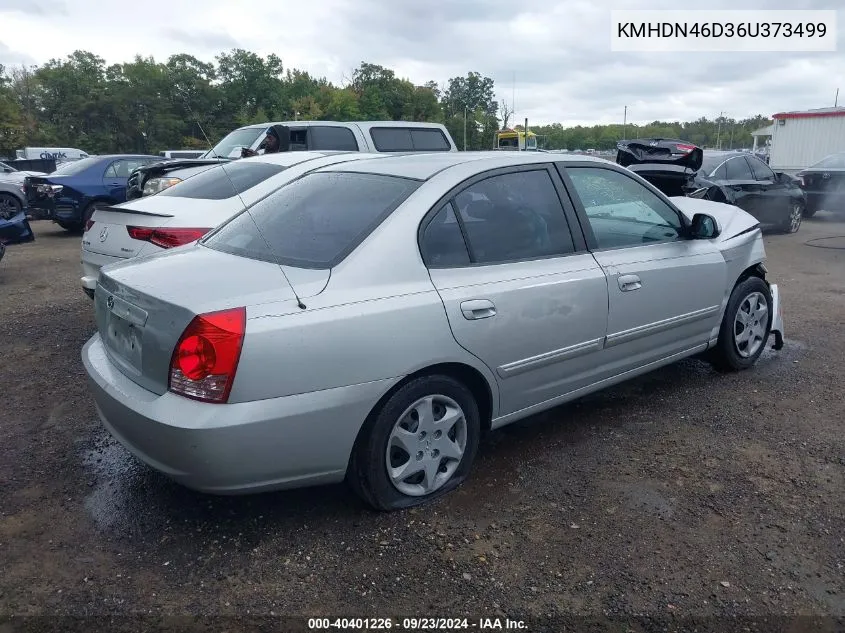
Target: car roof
296	157
424	166
366	124
115	156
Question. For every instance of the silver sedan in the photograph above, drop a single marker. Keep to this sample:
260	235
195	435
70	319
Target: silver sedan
371	319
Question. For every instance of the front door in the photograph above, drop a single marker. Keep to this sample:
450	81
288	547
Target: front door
518	293
665	291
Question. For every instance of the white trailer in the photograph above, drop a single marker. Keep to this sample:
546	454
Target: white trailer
802	138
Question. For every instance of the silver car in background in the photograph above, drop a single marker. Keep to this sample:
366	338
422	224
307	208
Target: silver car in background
371	319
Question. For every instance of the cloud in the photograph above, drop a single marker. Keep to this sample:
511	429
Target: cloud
558	52
215	41
34	7
9	58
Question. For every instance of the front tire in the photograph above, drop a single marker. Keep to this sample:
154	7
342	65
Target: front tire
418	446
792	222
745	326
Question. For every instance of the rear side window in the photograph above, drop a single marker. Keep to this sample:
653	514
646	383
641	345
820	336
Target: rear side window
315	221
333	138
512	217
408	139
215	184
442	243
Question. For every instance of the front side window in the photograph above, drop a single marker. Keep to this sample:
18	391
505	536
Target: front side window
760	169
315	221
512	217
738	169
622	211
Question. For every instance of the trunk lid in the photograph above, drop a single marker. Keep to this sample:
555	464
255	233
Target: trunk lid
143	305
659	151
152	212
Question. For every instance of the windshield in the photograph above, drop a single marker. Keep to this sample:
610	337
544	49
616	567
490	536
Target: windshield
230	146
75	167
315	221
834	161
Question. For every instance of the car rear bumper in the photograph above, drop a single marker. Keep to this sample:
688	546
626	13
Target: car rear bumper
293	441
833	199
777	316
91	265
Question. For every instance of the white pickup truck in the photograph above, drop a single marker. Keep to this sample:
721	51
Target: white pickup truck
354	136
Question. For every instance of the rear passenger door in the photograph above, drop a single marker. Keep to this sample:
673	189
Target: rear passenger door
520	290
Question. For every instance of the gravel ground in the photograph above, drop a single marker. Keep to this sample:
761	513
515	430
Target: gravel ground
684	493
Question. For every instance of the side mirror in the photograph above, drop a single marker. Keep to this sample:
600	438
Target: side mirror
704	227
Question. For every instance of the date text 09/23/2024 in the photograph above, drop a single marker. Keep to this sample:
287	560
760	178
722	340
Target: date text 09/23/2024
417	624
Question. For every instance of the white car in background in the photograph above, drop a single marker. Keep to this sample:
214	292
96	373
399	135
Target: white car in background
185	212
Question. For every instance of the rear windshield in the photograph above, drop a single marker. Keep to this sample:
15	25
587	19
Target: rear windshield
405	139
314	222
76	167
216	184
834	161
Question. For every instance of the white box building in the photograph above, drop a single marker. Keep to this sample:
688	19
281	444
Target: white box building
800	139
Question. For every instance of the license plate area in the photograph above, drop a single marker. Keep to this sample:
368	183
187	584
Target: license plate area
124	339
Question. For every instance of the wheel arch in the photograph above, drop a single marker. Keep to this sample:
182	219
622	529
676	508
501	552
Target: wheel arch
467	375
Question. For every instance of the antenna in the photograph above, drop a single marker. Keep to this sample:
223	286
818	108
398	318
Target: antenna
299	303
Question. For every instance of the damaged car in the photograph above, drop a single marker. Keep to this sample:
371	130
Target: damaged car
369	320
680	168
14	225
824	184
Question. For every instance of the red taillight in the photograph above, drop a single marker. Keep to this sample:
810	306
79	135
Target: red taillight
88	225
686	149
206	356
164	237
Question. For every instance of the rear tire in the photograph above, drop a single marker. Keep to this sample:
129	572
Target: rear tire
810	207
745	326
418	446
89	211
10	206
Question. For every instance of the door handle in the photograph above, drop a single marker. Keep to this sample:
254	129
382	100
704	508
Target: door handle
478	309
629	282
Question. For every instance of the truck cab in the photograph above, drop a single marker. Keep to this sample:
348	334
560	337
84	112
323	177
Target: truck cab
348	136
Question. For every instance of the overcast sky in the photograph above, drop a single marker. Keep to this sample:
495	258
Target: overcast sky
558	51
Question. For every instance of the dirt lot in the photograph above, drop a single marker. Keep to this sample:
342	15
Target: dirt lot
683	493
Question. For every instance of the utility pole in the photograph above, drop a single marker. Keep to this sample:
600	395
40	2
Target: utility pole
625	123
525	144
465	127
836	99
719	132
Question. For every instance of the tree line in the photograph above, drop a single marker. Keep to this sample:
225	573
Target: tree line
184	103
